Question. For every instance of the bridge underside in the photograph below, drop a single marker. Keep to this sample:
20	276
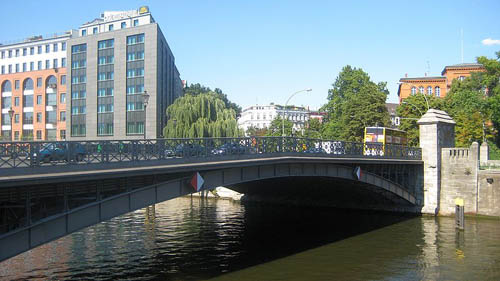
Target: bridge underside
324	192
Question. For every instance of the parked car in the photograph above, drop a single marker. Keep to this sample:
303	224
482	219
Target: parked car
187	149
315	150
59	151
229	149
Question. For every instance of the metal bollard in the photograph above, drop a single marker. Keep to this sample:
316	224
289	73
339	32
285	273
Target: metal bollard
459	213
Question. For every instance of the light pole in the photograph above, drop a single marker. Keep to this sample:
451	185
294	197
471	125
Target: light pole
284	109
145	100
11	114
420	111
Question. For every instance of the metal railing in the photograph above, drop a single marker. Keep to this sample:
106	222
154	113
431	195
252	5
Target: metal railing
33	154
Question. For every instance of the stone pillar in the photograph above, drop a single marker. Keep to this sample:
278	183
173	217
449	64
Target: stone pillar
484	153
437	130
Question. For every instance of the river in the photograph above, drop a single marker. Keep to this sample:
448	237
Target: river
192	239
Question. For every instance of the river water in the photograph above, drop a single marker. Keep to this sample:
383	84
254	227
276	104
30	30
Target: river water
192	239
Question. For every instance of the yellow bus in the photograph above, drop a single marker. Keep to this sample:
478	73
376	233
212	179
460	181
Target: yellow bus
377	137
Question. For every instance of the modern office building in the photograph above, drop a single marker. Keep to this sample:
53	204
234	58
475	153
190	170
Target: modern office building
114	63
261	116
103	72
437	85
33	88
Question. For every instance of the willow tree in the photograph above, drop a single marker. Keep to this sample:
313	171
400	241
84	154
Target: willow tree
203	115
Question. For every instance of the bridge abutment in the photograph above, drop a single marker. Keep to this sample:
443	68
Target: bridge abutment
437	131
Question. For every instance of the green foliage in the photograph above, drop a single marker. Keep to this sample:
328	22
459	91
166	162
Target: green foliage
256	132
354	102
276	127
197	89
202	115
313	129
411	110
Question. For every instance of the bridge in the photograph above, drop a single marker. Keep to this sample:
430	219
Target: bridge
51	189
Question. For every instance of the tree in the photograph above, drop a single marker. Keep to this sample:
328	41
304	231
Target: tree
354	102
202	115
256	132
197	89
313	129
275	129
411	110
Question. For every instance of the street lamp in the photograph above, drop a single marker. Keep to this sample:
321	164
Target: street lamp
284	109
420	111
11	114
145	100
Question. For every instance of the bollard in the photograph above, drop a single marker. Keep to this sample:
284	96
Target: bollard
459	213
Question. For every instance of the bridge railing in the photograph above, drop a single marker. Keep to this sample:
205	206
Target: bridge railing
33	154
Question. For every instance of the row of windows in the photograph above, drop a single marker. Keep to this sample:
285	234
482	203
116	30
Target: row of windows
104	92
437	90
105	108
135	72
78	95
106	60
78	63
103	76
50	100
106	44
105	129
7	69
28	134
31	50
133	56
135	89
50	117
75	110
51	81
78	79
111	27
133	128
135	106
135	39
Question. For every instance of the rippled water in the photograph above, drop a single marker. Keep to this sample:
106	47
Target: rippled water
192	239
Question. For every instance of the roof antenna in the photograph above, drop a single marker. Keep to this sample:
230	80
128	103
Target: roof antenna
428	68
462	43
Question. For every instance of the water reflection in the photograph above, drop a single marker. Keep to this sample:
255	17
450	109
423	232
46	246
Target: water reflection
191	239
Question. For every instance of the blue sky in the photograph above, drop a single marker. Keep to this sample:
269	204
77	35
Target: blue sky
263	51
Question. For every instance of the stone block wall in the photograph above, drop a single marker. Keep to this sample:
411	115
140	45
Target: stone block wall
489	193
459	173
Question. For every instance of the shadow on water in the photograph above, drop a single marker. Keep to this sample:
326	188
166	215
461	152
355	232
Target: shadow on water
192	239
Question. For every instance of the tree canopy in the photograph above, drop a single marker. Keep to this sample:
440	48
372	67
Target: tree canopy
354	102
197	89
201	115
276	127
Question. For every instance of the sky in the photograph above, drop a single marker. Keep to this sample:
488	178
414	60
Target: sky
258	52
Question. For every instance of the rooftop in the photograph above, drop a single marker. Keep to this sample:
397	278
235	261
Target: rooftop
462	65
422	78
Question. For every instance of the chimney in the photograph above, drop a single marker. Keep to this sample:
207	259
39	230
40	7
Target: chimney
406	75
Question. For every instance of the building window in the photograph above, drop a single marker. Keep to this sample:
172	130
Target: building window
3	54
134	128
17	52
429	90
438	91
25	67
38	99
10	68
78	130
104	108
47	48
421	89
47	64
62	98
16	135
461	78
94	30
16	84
136	22
32	66
3	69
135	39
78	48
39	65
54	47
84	32
32	51
62	116
110	27
16	101
63	62
39	82
62	134
63	46
123	25
39	51
10	53
16	118
17	67
38	117
54	65
38	135
63	79
25	52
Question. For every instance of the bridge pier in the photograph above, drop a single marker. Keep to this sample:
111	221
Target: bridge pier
437	131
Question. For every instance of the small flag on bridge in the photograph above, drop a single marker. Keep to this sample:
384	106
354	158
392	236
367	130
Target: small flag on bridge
197	181
357	172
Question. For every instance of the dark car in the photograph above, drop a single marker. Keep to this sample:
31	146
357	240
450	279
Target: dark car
315	150
187	149
60	151
229	149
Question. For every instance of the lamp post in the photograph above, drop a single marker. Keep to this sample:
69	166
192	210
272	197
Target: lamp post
420	111
284	109
145	100
11	114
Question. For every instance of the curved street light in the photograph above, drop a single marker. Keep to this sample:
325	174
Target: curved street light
11	114
284	109
145	100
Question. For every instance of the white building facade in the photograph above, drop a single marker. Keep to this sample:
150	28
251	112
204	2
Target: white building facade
261	116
